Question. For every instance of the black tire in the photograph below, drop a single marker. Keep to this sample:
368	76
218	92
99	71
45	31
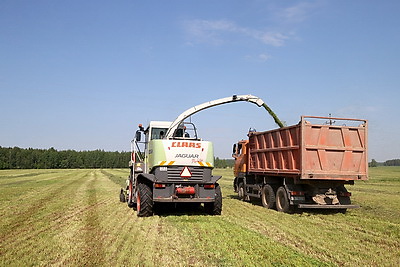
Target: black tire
241	193
122	196
343	200
268	197
215	208
282	201
235	187
144	200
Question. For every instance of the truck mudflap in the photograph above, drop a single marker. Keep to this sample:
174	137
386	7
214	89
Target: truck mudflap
317	206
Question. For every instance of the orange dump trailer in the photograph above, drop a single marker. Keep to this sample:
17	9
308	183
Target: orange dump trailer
303	166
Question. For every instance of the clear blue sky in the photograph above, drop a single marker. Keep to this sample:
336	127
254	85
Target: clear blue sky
82	74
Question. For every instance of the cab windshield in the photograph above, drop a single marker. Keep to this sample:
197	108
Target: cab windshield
158	133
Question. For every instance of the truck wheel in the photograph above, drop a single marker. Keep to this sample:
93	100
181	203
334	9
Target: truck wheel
122	196
215	208
268	197
235	187
282	201
342	199
241	194
144	200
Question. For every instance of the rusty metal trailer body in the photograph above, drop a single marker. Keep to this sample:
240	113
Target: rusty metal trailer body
304	165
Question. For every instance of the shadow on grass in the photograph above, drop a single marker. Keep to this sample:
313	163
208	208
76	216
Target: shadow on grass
257	202
179	209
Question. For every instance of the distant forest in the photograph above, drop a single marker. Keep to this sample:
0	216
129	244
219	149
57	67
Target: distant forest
391	162
31	158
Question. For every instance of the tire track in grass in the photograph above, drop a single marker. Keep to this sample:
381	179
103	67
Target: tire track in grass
71	234
82	239
88	213
20	189
202	248
141	241
93	252
269	223
36	232
286	229
329	237
93	232
117	179
79	231
4	177
47	233
154	241
221	243
30	211
49	237
359	237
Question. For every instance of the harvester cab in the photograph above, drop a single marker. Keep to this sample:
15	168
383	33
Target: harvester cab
141	150
175	169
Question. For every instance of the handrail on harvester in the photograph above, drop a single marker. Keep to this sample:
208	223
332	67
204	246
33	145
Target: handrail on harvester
235	98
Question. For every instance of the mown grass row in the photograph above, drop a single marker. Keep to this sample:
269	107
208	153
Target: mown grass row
74	217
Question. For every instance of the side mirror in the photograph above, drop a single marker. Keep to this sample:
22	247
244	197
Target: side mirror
138	135
234	149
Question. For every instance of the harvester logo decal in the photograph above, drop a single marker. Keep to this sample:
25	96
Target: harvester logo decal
186	153
186	144
194	156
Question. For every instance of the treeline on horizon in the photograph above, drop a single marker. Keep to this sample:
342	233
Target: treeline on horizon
32	158
391	162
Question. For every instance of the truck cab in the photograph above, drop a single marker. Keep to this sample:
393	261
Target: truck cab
241	158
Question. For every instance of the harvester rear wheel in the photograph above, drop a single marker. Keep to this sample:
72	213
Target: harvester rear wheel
268	197
144	200
282	201
215	208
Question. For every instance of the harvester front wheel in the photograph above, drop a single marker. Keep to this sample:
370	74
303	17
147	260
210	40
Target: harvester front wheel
215	208
268	197
144	200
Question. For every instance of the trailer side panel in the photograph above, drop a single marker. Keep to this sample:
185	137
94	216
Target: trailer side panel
311	151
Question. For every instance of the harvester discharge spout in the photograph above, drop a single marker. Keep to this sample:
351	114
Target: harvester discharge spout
235	98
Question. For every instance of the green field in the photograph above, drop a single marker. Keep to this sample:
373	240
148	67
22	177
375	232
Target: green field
74	217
